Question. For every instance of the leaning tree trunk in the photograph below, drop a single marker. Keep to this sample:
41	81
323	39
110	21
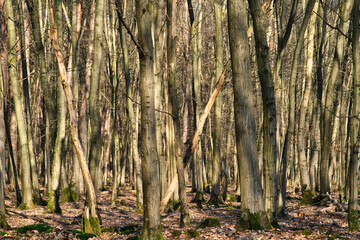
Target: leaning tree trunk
269	111
216	158
90	220
252	203
353	218
333	83
150	171
18	102
94	103
172	86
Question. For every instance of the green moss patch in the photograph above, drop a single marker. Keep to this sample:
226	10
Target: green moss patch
128	229
254	221
306	232
42	228
353	219
192	233
209	222
176	233
333	237
3	233
133	238
307	198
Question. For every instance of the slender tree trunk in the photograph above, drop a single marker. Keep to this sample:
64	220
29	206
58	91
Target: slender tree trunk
334	81
94	103
252	202
216	158
301	142
353	218
291	107
150	171
53	203
90	221
18	102
173	86
159	18
3	222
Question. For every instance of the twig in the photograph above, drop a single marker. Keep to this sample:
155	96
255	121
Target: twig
133	38
332	27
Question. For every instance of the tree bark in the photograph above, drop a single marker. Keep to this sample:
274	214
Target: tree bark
18	102
326	119
252	202
90	221
150	171
216	158
173	86
353	218
269	111
94	103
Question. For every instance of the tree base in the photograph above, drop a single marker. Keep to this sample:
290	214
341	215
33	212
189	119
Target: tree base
198	199
353	219
3	222
53	205
90	223
254	221
24	206
67	195
151	234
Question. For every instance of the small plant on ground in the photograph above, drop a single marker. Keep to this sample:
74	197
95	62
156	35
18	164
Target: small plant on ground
333	237
306	232
192	233
209	222
176	233
126	230
42	228
133	238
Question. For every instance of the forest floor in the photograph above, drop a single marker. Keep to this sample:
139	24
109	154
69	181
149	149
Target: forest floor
317	221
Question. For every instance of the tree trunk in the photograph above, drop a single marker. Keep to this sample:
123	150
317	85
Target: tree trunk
301	142
353	218
159	17
252	202
3	222
90	221
326	119
173	86
18	102
94	103
269	111
150	171
216	158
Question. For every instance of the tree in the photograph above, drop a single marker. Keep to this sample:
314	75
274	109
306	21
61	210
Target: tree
173	86
252	204
150	171
269	111
90	220
19	101
333	84
216	160
353	218
94	103
3	222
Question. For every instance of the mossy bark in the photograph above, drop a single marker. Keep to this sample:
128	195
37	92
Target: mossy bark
68	195
89	223
153	234
254	221
353	220
53	205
